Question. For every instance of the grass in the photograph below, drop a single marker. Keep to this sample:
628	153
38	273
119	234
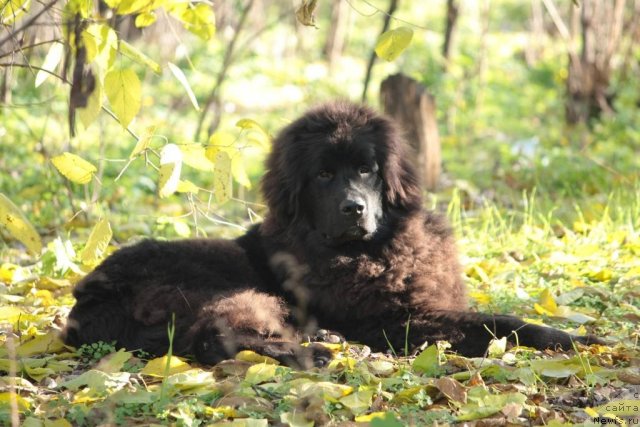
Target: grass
547	219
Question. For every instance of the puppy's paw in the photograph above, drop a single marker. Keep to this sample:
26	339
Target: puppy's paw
208	349
320	355
326	336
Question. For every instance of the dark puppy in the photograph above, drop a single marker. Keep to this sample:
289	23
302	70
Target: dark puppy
346	244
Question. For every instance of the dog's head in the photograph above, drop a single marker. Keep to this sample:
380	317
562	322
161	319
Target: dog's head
339	170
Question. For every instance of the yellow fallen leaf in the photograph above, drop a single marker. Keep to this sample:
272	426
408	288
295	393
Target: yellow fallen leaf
156	367
38	374
359	401
44	297
52	284
546	304
601	275
114	362
295	419
47	343
617	236
85	396
10	314
591	412
328	390
253	357
192	380
581	227
11	273
342	363
579	331
6	398
58	422
382	367
586	251
370	417
479	272
480	297
225	411
406	395
260	373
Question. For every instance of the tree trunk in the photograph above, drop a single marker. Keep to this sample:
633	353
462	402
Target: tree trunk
334	46
408	102
537	35
588	94
453	10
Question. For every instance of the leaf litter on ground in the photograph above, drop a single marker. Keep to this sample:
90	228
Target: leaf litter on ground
585	280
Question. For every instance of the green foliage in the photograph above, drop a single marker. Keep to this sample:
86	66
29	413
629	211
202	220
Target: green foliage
428	361
393	42
547	216
123	90
91	353
11	10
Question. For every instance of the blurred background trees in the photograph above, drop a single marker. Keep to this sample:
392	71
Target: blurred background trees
525	94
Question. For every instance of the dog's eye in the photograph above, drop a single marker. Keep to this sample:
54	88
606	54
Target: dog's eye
324	174
363	170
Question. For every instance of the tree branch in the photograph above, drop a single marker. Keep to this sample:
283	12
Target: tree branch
226	62
27	23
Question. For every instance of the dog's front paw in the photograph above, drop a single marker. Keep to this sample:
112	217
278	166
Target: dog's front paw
326	336
319	354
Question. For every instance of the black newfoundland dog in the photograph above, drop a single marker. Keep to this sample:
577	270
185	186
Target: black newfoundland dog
346	245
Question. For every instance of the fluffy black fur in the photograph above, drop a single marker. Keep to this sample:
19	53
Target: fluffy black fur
346	244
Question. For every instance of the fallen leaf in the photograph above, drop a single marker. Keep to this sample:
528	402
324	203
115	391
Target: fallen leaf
451	388
156	367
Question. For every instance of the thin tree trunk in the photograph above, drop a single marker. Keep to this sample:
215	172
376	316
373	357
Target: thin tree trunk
453	10
393	5
336	36
588	92
213	100
534	48
483	59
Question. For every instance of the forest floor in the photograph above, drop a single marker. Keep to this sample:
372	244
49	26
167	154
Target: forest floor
582	277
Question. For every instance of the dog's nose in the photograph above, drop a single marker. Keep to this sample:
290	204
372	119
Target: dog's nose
352	207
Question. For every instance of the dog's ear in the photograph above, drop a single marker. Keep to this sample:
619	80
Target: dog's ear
402	188
401	184
281	192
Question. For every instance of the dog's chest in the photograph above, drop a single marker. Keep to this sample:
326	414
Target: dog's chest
357	287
